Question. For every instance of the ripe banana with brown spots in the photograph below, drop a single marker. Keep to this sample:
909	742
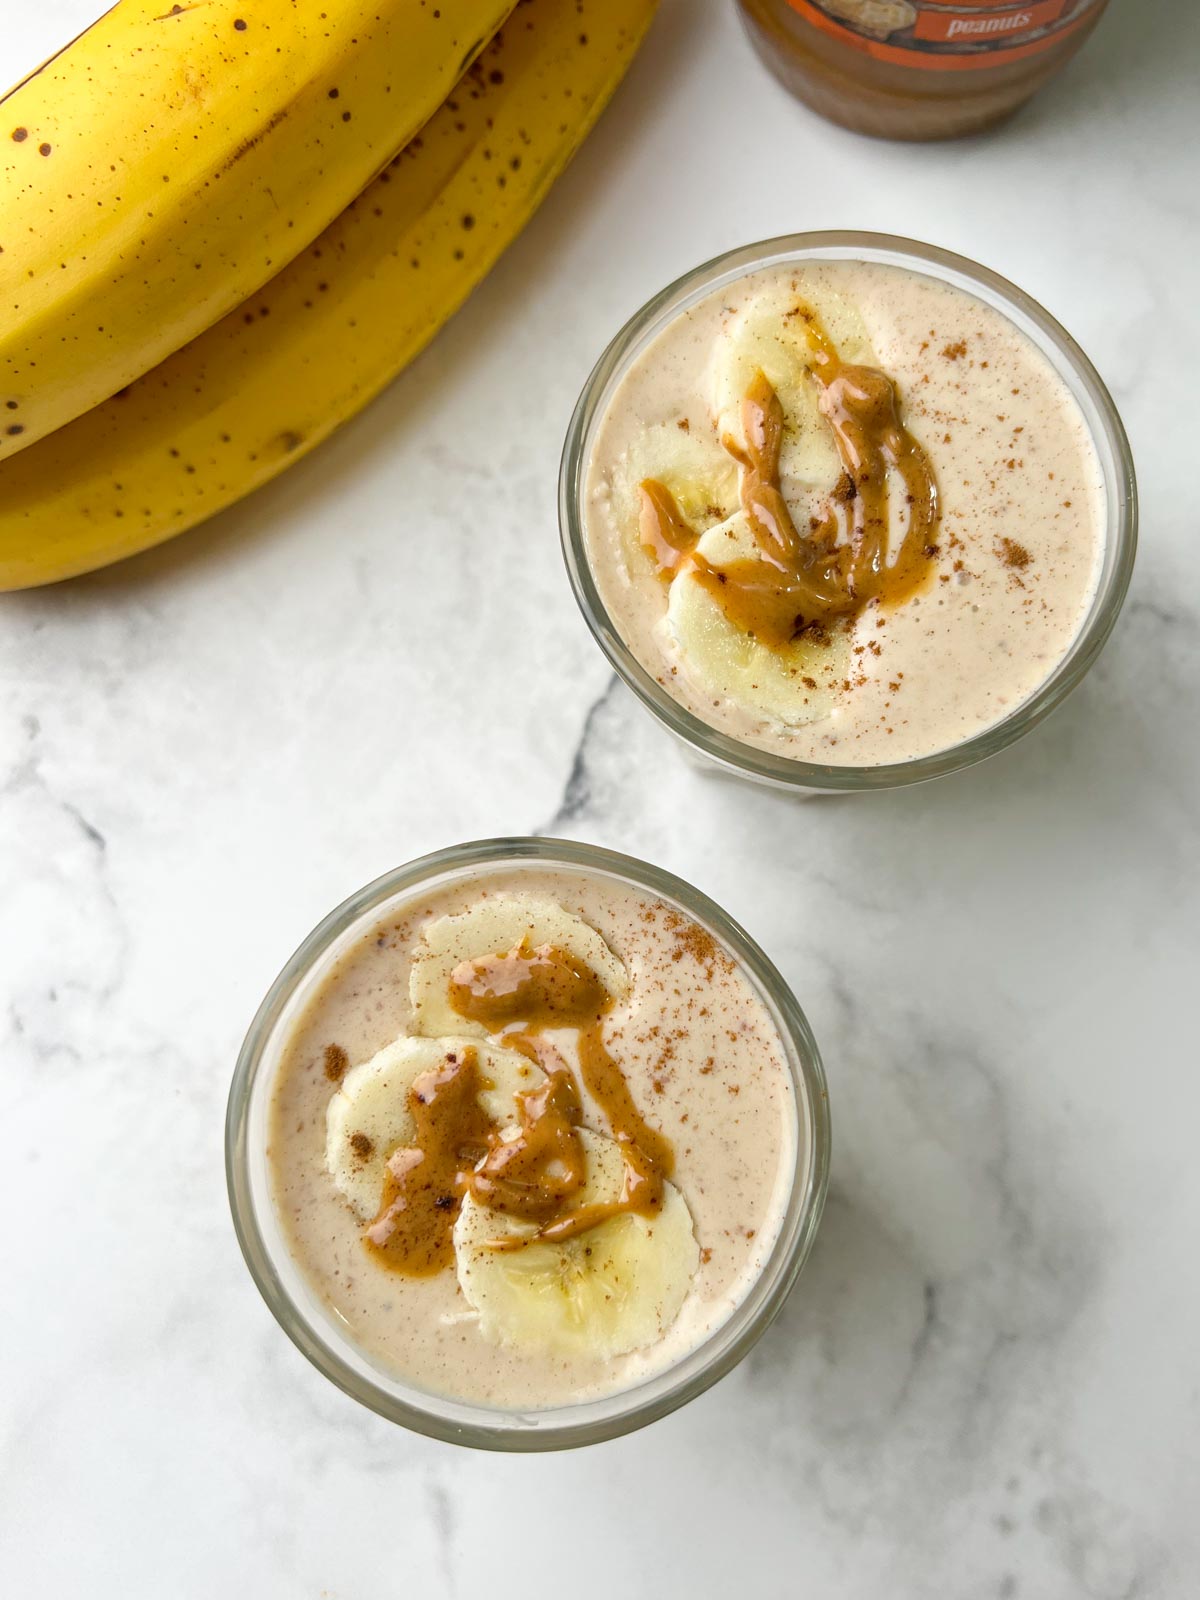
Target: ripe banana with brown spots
173	158
275	377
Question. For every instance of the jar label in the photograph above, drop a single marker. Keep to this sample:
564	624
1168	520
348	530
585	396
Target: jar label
946	35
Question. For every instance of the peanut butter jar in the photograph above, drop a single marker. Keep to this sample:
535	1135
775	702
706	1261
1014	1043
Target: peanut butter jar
917	69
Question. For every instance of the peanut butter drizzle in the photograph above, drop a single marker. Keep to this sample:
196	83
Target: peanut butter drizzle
425	1181
666	533
537	988
534	1175
520	993
802	584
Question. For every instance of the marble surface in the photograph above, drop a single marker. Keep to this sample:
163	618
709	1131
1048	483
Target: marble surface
988	1381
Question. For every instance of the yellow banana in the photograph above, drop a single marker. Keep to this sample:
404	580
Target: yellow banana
169	161
272	379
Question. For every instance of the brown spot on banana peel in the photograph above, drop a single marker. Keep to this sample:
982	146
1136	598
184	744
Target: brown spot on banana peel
255	138
273	453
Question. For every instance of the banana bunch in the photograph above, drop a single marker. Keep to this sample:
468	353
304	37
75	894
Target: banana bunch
602	1293
198	297
170	160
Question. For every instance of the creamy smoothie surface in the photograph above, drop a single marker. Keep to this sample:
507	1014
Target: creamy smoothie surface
532	1137
845	512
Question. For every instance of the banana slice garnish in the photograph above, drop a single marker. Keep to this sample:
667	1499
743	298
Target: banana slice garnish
369	1116
615	1288
491	927
768	335
700	475
791	685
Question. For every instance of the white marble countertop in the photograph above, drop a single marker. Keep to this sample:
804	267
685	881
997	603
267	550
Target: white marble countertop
988	1381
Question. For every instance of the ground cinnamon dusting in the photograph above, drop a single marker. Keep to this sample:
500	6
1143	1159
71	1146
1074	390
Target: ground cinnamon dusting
336	1062
691	940
1013	554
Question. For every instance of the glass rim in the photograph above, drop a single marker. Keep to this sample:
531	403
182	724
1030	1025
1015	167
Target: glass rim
588	1422
1100	413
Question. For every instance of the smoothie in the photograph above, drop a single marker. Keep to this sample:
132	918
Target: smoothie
532	1137
845	512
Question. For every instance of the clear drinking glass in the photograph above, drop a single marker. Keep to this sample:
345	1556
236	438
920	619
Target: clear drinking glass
313	1325
1108	435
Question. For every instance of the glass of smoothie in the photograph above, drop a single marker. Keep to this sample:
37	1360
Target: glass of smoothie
527	1144
846	511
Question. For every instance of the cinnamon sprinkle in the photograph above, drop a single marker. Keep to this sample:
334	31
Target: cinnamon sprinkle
336	1062
1013	554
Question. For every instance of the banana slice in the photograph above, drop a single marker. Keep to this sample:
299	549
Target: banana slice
491	927
368	1116
794	685
701	476
618	1287
767	335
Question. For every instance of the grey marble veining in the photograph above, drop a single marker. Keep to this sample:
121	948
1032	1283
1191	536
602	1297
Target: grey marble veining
987	1384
